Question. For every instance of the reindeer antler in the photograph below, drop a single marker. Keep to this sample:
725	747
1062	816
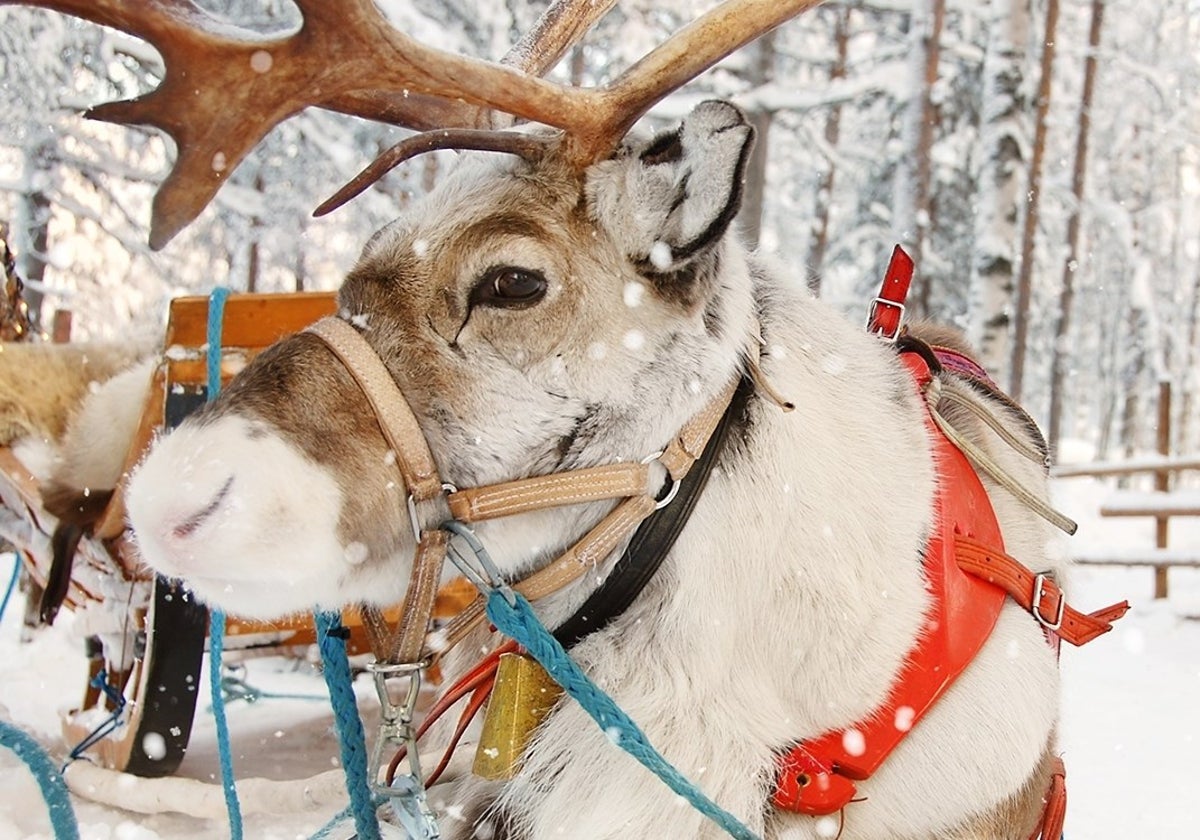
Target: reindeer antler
225	88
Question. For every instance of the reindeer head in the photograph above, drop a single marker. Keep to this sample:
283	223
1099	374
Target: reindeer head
566	307
534	316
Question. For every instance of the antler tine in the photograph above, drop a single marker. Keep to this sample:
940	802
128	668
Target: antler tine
528	146
681	58
216	75
559	28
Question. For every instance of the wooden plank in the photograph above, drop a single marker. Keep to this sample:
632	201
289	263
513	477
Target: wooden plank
255	320
1149	464
1162	558
1158	503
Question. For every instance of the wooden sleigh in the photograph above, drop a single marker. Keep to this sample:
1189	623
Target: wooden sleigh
146	636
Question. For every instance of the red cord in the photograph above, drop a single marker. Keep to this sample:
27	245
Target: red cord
478	680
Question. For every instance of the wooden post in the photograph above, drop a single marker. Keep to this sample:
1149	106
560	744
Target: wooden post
1162	481
61	330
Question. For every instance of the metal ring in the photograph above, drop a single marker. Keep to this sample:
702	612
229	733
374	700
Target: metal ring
671	494
673	490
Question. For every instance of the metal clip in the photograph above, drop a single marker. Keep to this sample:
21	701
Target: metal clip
1039	589
486	574
407	792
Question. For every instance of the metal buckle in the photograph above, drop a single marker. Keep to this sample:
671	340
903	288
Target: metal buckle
1035	607
414	519
875	304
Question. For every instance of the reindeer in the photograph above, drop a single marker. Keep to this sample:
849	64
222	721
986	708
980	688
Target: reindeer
579	309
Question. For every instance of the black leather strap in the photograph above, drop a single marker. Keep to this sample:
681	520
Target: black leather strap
653	539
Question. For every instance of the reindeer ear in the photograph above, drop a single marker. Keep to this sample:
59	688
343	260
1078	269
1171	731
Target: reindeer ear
666	201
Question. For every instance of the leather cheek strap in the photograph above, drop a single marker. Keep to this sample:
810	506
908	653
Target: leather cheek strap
392	412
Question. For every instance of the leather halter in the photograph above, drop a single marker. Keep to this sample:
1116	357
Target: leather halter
628	482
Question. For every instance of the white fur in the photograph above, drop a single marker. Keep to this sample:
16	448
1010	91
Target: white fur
279	505
789	601
94	448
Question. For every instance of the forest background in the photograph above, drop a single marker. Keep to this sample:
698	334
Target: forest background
1039	158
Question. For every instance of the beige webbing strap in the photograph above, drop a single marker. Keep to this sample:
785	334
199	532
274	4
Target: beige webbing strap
615	481
392	411
987	464
610	532
419	599
689	444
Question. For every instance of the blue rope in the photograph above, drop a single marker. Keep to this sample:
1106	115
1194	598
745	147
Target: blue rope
106	726
12	584
234	689
517	621
352	741
216	320
341	816
216	624
54	788
216	647
48	777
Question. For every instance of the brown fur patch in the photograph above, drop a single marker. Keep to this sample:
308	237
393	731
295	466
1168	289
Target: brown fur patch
41	384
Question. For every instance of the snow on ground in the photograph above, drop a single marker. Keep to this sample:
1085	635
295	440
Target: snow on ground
1130	732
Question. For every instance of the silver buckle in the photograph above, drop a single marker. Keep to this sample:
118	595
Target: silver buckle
1039	590
899	321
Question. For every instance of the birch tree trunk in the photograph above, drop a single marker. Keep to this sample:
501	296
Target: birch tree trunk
762	70
1060	357
1029	228
31	231
1000	182
820	237
912	214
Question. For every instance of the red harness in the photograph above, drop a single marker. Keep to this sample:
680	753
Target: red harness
969	576
817	776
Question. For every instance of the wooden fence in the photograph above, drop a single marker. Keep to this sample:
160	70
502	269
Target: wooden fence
1162	503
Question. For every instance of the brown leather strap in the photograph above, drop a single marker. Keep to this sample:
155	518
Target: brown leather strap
689	444
416	464
1039	594
379	632
615	481
405	643
1051	825
610	532
396	419
459	627
571	565
418	600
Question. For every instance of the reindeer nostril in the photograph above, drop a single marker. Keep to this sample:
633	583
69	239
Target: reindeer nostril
189	525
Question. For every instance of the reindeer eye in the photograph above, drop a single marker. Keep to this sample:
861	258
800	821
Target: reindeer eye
510	287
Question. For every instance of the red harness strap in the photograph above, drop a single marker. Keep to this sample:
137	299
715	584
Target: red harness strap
969	575
817	776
